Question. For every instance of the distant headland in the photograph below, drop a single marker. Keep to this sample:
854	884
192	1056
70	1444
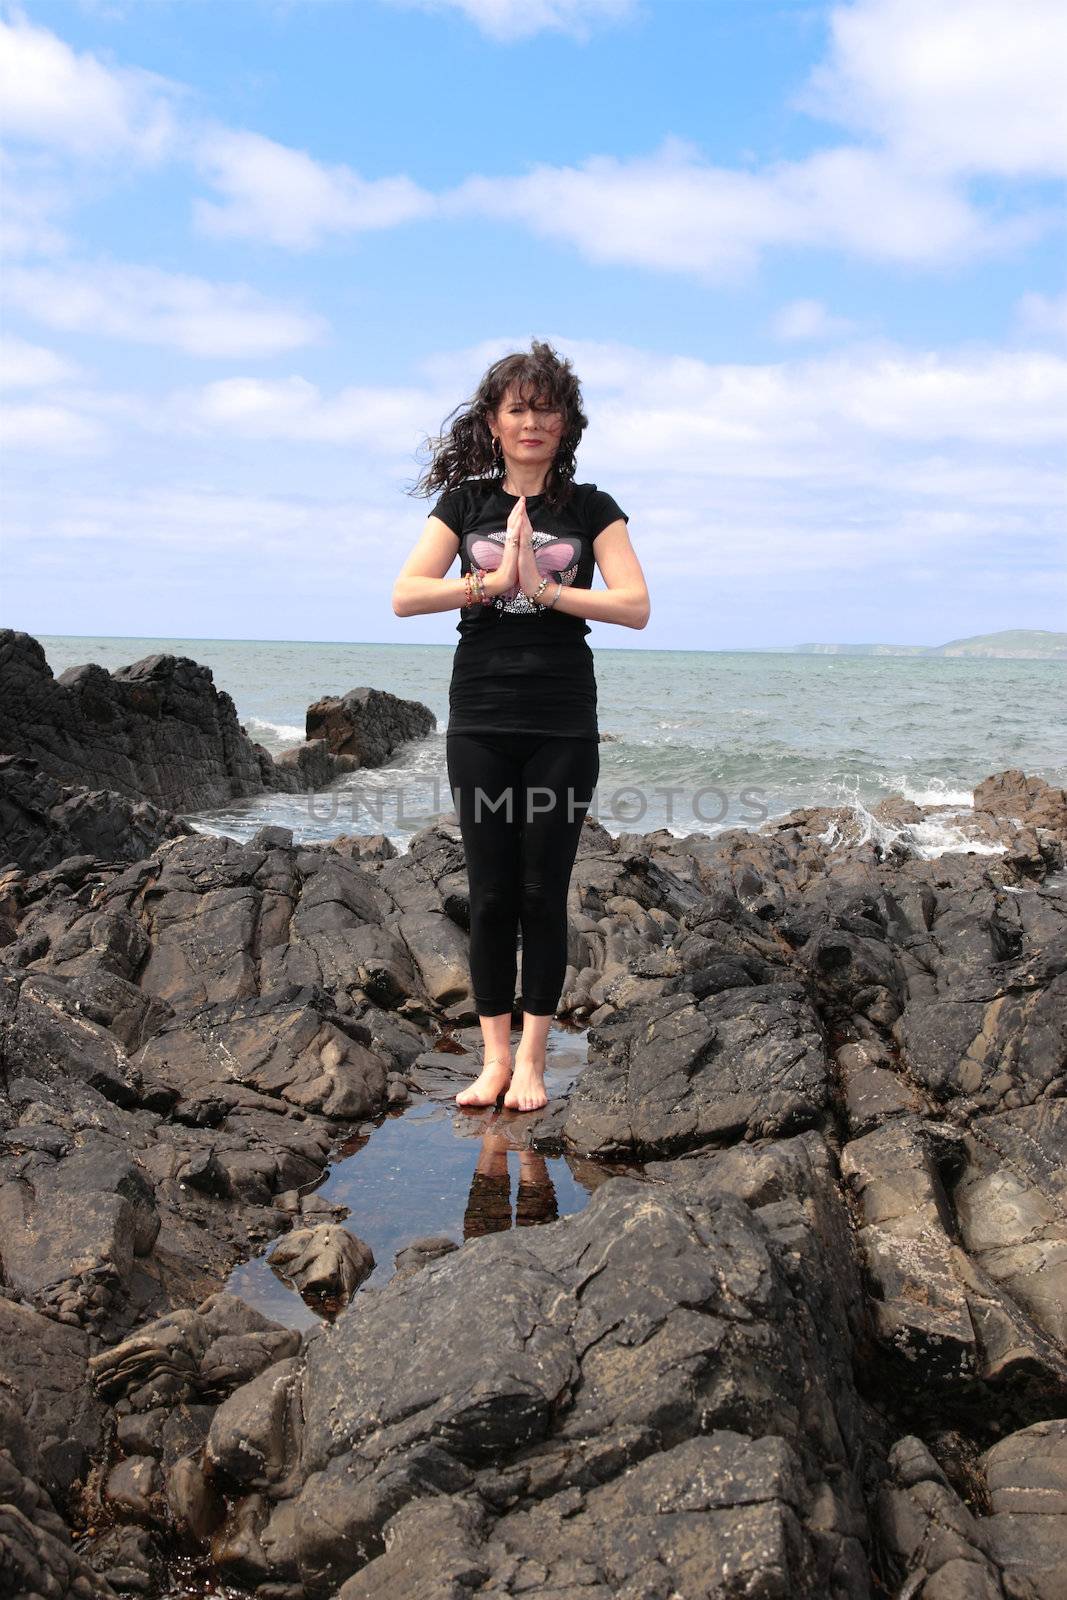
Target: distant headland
1011	644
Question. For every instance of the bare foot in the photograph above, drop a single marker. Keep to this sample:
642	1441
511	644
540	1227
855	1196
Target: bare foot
527	1091
485	1090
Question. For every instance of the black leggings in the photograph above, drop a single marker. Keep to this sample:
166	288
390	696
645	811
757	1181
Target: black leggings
520	846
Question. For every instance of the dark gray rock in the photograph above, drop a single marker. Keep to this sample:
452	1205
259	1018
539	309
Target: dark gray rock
843	1066
159	734
36	1555
367	725
44	1370
189	1354
934	1303
132	1486
675	1073
45	822
651	1350
156	730
939	1547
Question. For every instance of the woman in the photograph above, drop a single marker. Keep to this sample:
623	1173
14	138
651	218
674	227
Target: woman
522	743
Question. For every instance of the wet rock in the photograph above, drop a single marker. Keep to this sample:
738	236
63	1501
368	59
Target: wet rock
313	1206
368	724
602	1345
843	1067
676	1073
36	1556
195	1504
139	1433
185	1429
132	1485
1031	799
236	1547
129	1558
190	1354
156	730
256	1433
309	766
323	1261
36	1553
420	1252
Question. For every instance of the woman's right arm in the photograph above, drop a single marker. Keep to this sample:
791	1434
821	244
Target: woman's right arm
421	584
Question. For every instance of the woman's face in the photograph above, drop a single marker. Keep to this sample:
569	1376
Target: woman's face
529	434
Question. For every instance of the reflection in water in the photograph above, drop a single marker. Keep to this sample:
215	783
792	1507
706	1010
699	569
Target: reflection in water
489	1205
438	1171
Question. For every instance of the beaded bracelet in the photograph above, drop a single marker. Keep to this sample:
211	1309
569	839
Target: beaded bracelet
476	594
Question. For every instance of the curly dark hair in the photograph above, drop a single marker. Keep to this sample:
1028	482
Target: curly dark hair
465	449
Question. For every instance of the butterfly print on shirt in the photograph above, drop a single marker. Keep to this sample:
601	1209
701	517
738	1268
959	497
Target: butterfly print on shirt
555	557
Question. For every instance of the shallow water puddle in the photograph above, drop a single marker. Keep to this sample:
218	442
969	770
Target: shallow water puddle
436	1169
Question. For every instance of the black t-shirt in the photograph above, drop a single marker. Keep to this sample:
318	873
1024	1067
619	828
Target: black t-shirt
519	667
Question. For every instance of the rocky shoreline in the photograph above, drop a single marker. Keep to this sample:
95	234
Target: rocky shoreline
815	1344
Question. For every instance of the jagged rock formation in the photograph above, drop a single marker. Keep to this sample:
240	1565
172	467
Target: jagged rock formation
817	1348
99	762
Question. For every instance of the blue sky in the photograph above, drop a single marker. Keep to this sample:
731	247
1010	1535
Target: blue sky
808	261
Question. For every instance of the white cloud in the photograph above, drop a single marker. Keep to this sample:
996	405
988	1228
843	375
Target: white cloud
831	417
508	21
31	366
830	414
151	306
808	319
952	86
746	481
53	429
677	213
201	520
33	193
866	412
284	196
58	98
381	420
1043	313
907	71
919	76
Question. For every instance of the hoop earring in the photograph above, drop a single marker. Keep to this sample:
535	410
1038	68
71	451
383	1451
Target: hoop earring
497	448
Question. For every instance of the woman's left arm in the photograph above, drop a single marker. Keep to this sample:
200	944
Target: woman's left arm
625	600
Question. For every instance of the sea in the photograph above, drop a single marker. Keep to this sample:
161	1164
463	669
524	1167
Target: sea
691	741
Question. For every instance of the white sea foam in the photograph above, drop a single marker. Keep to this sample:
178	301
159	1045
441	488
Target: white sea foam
259	728
935	792
932	837
282	733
